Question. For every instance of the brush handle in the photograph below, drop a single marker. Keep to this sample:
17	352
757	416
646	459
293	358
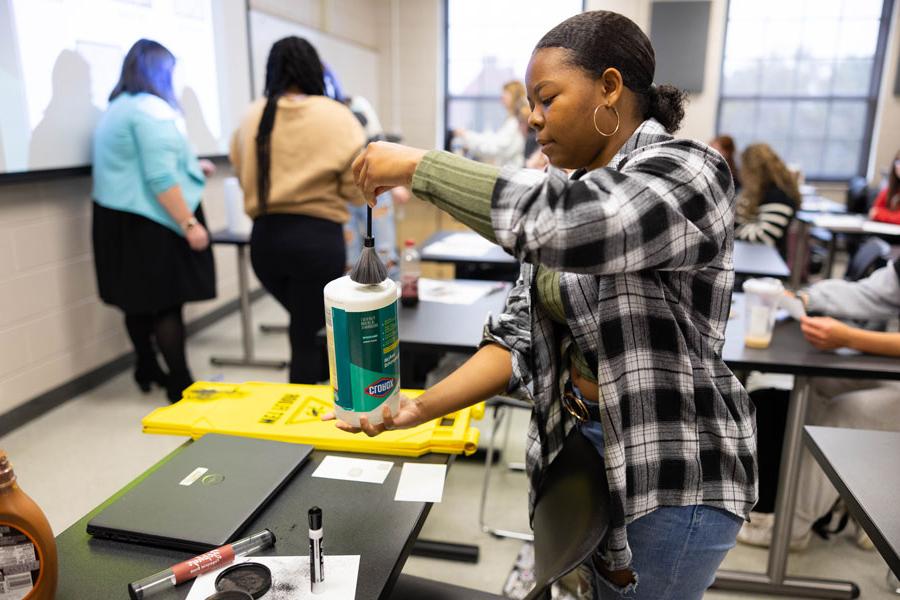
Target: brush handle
368	220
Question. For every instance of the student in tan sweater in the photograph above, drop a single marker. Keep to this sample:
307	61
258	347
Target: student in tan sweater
292	154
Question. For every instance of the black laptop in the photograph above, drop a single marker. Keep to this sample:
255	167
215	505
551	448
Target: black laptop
204	495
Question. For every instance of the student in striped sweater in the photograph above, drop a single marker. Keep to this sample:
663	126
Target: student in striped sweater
768	200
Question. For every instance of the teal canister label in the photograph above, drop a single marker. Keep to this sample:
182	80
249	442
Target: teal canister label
366	357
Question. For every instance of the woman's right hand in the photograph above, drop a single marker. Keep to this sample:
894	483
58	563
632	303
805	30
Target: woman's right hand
197	237
410	414
382	166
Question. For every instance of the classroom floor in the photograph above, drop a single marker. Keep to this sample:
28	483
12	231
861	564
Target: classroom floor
76	456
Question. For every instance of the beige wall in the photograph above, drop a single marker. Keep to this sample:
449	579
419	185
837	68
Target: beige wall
53	327
416	98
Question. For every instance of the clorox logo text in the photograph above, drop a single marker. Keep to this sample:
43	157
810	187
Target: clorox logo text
381	388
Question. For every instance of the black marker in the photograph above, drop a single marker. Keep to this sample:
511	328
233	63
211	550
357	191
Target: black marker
316	556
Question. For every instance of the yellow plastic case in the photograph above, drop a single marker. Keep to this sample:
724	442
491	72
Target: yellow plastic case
292	413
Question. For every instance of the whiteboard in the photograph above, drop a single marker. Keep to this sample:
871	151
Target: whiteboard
356	66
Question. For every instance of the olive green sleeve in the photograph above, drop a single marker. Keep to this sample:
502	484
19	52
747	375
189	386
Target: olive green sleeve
458	186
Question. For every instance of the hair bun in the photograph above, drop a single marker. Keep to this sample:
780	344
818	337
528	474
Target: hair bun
666	105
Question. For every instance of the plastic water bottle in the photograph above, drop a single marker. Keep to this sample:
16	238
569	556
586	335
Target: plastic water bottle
410	270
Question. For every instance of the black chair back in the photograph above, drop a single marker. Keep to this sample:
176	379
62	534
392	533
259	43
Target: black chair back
872	254
858	195
571	515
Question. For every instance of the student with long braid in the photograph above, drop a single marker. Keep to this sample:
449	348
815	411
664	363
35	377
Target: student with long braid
292	154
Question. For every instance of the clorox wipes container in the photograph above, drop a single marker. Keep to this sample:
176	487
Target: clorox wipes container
363	348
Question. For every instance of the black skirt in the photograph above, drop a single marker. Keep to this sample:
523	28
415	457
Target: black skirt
144	267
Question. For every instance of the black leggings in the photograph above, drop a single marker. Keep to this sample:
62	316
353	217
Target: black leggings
294	256
166	329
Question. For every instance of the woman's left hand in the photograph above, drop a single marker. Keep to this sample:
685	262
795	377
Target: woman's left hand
207	166
826	333
411	413
382	166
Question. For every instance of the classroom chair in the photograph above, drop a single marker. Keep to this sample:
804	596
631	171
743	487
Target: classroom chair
501	406
571	516
872	254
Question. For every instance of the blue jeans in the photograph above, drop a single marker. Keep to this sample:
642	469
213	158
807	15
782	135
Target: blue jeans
676	549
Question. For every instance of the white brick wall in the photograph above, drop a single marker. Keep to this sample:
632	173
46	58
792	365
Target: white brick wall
53	327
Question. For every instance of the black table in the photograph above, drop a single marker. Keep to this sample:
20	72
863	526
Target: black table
847	224
241	242
758	260
494	264
360	519
790	353
862	465
449	327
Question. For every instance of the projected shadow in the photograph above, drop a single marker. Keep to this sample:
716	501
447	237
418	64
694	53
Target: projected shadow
63	136
198	131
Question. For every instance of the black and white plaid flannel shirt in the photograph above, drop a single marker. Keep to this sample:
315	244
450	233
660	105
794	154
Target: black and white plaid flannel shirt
644	247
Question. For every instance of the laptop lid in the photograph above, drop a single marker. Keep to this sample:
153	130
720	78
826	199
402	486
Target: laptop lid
204	495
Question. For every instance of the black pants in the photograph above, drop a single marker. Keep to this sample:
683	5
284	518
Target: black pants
163	330
294	256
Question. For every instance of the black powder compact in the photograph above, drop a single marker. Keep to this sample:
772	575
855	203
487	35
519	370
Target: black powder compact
230	595
250	577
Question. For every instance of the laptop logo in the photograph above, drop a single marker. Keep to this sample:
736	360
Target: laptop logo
193	476
212	479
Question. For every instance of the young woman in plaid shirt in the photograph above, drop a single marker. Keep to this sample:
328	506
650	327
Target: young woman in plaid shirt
616	324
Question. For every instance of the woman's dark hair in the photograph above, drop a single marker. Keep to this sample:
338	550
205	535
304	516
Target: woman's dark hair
728	149
147	68
293	65
599	39
893	193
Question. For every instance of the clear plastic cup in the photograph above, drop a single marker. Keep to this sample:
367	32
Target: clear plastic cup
762	297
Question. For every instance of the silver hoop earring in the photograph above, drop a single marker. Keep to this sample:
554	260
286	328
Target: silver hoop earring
614	131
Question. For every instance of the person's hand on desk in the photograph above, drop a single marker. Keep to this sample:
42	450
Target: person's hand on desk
826	333
383	165
410	414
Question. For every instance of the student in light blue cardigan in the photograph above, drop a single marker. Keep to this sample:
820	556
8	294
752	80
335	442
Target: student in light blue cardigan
151	248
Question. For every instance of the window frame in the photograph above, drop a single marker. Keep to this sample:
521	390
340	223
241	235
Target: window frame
871	99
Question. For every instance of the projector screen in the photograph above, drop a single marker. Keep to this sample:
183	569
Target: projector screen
59	60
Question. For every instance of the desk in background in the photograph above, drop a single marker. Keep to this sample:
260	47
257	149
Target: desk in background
360	518
241	242
471	255
862	465
758	260
851	225
750	260
819	204
791	353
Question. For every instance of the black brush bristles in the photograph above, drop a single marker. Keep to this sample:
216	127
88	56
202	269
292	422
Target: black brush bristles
369	270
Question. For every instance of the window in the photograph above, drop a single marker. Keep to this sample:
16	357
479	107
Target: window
489	43
803	76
